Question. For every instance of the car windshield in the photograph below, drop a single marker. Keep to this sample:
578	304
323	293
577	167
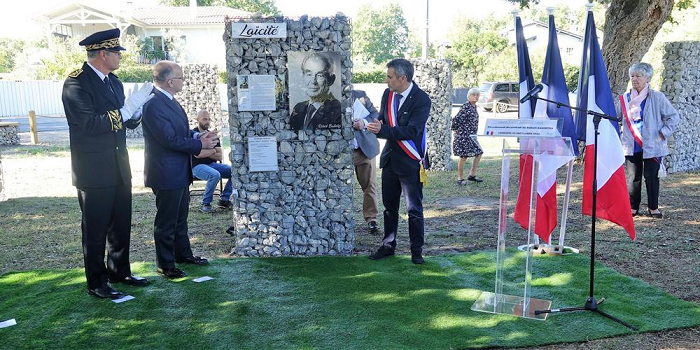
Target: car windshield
485	87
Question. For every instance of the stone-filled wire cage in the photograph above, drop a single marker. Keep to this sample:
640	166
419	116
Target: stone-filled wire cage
681	73
200	91
304	208
434	76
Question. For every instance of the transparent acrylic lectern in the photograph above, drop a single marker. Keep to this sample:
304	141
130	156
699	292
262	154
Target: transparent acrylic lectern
548	154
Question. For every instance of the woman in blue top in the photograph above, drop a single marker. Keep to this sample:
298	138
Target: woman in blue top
648	122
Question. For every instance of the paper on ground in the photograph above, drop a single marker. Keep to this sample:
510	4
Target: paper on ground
202	279
122	299
8	323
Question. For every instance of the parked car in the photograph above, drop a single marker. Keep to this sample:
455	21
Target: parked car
505	92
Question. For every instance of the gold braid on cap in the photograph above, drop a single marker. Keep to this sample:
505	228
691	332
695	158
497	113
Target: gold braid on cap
107	44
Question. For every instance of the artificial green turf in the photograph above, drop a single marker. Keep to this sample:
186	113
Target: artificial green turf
328	302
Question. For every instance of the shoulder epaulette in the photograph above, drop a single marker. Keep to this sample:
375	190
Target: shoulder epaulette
75	73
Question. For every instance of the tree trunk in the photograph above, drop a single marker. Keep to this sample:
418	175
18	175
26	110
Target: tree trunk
630	28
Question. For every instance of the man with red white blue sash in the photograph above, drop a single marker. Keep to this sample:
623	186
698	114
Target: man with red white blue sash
404	112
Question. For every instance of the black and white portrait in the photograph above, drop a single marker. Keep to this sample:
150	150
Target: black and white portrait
314	88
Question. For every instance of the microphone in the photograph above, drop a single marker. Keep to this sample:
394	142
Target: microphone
536	90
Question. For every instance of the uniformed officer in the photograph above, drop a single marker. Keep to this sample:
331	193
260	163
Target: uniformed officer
97	113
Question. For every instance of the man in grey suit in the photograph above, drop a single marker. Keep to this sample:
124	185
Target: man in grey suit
365	147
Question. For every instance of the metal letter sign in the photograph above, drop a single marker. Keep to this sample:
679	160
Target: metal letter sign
259	30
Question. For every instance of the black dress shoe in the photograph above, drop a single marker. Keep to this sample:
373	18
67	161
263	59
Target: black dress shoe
658	215
417	258
196	260
382	253
131	280
474	178
105	291
172	272
373	227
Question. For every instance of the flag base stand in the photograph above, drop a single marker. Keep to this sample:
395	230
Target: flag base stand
512	305
550	249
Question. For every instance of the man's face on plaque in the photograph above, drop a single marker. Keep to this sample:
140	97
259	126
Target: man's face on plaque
315	77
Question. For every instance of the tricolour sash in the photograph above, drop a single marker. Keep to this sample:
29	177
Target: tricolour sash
407	145
633	128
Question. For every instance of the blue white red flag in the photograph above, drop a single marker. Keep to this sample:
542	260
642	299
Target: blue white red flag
612	202
527	82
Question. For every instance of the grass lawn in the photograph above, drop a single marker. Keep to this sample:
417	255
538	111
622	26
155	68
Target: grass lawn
328	302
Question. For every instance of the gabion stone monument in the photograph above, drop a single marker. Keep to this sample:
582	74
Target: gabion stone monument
434	76
199	92
304	206
680	84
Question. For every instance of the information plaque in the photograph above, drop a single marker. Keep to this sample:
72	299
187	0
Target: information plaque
521	127
262	153
256	93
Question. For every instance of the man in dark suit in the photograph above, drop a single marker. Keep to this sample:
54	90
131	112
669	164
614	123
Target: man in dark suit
96	111
322	110
169	145
402	117
364	148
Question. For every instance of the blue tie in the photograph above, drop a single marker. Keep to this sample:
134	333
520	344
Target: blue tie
397	100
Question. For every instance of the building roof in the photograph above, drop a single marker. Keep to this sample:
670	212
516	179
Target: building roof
78	12
546	26
201	15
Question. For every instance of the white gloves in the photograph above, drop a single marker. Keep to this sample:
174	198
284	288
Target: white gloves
135	100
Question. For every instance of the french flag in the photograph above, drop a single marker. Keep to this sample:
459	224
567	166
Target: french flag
526	110
612	197
553	88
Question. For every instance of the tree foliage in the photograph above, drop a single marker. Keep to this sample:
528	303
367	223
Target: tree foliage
266	7
380	35
67	56
629	30
474	44
9	48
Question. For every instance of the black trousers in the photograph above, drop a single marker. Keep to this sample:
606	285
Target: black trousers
636	166
170	226
106	220
392	187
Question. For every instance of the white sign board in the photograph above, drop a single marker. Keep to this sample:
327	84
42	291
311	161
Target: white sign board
256	93
259	30
521	128
262	153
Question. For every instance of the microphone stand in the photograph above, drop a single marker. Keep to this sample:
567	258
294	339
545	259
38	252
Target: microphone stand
591	304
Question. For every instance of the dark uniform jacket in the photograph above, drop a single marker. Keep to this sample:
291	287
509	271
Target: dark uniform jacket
97	136
168	144
411	118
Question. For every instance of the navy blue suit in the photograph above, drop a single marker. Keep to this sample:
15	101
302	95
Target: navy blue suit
400	173
167	171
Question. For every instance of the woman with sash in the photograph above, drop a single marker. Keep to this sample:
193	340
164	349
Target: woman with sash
648	120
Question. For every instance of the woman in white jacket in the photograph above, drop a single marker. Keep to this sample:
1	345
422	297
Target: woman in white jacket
648	121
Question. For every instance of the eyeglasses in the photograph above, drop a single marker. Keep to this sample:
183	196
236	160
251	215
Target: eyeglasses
181	78
118	53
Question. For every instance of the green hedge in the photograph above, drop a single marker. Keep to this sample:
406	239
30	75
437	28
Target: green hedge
135	74
222	77
376	76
